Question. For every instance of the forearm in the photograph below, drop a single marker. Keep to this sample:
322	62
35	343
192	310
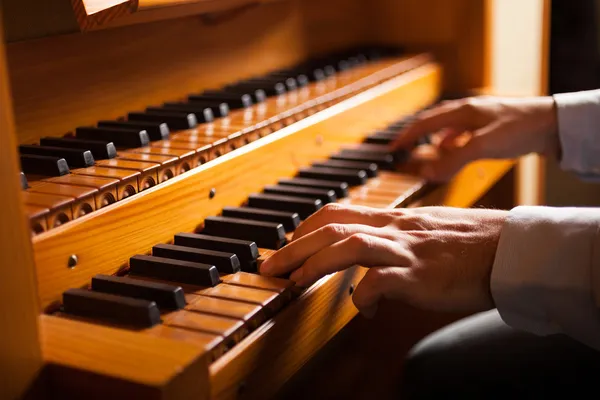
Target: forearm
545	278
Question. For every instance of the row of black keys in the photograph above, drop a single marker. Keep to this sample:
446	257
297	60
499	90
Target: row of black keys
227	244
55	156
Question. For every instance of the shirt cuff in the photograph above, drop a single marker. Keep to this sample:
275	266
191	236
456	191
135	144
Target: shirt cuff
545	272
578	121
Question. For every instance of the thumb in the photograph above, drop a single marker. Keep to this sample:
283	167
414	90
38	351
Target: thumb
378	283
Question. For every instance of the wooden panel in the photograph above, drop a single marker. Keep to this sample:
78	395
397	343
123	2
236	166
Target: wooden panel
20	357
112	363
180	204
163	61
454	30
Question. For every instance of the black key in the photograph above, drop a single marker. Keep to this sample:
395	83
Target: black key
270	235
75	157
381	138
155	130
305	207
245	250
289	220
383	161
121	137
218	110
334	174
340	188
24	184
268	88
206	115
325	195
370	168
44	165
370	148
258	95
111	308
165	296
174	270
234	101
226	263
101	150
174	119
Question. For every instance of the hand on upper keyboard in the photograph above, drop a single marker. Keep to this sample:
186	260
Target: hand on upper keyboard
434	257
483	127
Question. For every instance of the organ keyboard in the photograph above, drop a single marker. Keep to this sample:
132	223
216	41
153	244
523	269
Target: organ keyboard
166	161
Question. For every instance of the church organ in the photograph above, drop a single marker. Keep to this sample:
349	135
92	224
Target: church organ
155	152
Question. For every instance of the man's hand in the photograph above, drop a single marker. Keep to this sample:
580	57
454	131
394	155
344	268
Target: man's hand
434	257
495	128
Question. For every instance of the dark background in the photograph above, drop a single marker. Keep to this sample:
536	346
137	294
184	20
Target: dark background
574	66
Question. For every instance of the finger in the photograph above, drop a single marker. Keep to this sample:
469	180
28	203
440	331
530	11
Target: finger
342	214
451	162
379	283
451	116
359	249
297	252
450	138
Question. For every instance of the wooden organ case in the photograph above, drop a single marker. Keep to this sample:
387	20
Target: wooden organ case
255	94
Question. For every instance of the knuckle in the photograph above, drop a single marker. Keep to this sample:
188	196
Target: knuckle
361	241
331	207
334	231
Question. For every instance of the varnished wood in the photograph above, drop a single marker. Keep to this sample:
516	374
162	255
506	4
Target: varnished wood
84	198
107	187
180	204
130	181
61	207
20	355
155	367
38	218
93	13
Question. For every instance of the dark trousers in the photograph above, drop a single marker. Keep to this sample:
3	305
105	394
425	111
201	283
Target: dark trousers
481	357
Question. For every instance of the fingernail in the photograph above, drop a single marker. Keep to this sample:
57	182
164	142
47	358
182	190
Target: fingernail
297	275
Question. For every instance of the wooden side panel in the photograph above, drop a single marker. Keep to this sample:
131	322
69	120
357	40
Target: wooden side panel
106	239
113	363
20	358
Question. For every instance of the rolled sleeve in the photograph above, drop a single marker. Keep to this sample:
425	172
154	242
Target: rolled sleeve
579	131
545	277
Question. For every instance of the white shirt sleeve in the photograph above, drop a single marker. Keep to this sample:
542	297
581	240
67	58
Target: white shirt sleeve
579	131
546	275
